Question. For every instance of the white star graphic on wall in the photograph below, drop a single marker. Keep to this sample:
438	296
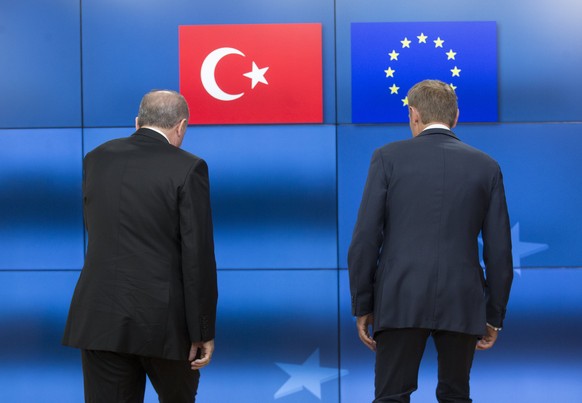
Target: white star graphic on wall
523	249
309	375
520	249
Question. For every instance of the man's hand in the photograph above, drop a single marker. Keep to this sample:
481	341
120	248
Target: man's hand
206	350
488	340
363	323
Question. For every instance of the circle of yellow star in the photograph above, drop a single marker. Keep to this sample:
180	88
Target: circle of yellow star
405	43
456	72
451	55
453	86
393	55
390	72
405	101
438	43
422	38
394	89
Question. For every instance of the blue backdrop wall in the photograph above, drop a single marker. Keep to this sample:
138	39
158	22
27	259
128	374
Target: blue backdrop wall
72	73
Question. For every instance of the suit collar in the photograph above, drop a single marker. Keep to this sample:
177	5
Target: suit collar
438	131
151	134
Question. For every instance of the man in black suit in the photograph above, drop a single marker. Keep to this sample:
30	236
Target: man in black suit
145	302
414	257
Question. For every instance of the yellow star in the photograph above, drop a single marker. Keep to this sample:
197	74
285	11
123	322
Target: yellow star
456	72
394	89
422	38
389	72
438	43
451	54
393	55
405	101
405	43
452	86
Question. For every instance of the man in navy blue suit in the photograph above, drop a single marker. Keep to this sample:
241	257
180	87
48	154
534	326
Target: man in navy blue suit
414	256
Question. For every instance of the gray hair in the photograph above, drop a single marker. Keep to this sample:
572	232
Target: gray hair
435	101
163	109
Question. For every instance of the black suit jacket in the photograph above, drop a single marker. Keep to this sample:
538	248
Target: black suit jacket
148	285
414	256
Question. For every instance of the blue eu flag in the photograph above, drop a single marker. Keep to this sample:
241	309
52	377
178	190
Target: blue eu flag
389	58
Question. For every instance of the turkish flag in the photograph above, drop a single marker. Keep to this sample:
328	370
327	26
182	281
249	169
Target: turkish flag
255	73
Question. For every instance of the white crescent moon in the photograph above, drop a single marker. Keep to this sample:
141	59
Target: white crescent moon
207	74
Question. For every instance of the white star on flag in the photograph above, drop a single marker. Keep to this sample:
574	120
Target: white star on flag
257	75
456	72
393	55
308	375
422	38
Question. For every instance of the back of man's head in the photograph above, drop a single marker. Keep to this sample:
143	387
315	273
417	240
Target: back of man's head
435	101
163	109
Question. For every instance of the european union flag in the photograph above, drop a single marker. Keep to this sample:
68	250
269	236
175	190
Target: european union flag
389	58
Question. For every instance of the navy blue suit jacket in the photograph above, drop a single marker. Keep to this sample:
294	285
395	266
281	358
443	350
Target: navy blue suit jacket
414	256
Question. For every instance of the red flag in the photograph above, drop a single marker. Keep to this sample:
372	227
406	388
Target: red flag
256	73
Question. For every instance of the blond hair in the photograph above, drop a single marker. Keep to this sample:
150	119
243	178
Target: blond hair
434	101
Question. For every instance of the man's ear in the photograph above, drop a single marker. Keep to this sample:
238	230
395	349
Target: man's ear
183	127
136	125
414	116
456	119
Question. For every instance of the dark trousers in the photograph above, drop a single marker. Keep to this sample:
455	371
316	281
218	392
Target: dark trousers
121	378
398	356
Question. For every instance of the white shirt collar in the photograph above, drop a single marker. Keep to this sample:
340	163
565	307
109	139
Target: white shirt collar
157	131
437	126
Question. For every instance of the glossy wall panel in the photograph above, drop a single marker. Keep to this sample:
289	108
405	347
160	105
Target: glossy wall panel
40	64
126	54
276	330
284	197
542	186
34	366
276	338
41	224
535	358
354	153
273	192
544	192
537	64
